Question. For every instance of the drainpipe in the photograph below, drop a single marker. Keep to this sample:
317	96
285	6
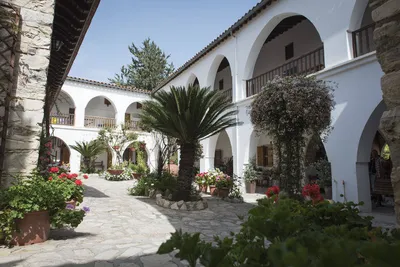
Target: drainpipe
234	98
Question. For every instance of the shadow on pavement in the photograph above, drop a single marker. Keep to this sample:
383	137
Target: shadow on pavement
93	192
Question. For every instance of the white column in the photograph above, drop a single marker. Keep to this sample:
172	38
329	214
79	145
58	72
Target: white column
120	118
79	116
75	161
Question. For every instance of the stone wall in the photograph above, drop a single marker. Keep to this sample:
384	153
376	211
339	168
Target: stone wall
30	86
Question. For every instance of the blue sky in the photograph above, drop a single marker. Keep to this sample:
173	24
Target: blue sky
180	27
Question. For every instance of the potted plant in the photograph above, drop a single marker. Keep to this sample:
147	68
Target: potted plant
72	186
224	183
26	210
201	180
117	169
250	177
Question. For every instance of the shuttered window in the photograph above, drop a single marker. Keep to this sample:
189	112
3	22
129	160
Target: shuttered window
265	156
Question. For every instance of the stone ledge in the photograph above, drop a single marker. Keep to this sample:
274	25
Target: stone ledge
181	205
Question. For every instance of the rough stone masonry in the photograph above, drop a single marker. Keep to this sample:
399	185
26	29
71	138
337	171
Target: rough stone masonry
32	61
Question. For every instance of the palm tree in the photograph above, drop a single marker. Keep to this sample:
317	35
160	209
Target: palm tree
189	116
88	150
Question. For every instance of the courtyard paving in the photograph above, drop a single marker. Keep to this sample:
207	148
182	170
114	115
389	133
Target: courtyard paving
122	230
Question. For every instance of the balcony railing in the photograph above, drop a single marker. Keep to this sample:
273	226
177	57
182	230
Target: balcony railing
227	93
363	40
306	64
62	119
132	125
99	122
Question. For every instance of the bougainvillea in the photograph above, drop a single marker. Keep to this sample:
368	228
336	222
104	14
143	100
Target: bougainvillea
289	109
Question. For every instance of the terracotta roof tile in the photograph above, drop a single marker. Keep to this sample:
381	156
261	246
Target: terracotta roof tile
110	85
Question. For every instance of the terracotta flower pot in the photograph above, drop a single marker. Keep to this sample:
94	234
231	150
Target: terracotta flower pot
213	190
202	188
223	192
250	187
137	176
33	228
115	172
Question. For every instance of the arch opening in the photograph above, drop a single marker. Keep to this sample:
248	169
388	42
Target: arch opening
293	47
132	114
223	78
193	80
60	153
136	157
63	111
100	113
223	157
374	166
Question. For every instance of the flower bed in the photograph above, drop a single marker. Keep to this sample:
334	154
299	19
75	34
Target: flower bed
125	175
181	205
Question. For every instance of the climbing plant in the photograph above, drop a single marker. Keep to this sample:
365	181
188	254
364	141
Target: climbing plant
289	109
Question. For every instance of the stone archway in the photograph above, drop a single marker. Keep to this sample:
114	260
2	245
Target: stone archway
60	152
223	154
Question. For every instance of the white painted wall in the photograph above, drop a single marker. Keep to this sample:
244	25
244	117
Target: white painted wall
90	98
97	107
64	102
305	39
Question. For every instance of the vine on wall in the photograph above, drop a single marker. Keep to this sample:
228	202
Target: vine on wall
289	109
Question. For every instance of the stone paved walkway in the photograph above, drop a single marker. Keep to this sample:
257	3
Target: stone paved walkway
121	230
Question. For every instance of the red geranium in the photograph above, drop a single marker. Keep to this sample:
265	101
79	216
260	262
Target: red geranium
74	175
85	176
313	192
70	176
50	178
62	175
54	169
272	191
78	182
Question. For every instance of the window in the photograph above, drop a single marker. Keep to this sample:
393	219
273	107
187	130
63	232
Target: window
265	156
71	111
138	105
289	51
221	85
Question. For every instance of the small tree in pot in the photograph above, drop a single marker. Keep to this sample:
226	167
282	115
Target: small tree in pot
117	139
250	176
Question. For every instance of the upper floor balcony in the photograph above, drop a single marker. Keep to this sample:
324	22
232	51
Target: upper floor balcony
306	64
293	47
99	113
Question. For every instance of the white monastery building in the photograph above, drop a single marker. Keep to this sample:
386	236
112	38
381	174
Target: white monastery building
332	40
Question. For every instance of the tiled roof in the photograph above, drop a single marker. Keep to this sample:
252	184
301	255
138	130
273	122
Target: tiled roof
251	14
109	85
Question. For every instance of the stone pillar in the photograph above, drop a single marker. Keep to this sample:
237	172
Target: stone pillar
387	40
33	55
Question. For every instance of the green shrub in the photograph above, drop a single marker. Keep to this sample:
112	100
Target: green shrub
295	233
166	182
